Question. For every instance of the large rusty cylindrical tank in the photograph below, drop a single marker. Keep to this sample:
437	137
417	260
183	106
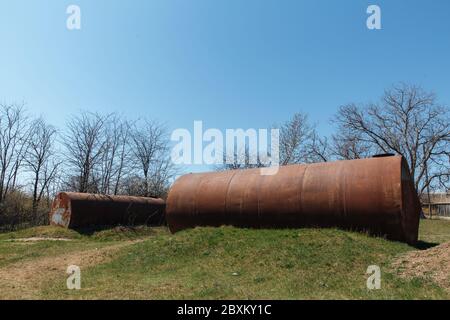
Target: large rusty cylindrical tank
375	195
79	210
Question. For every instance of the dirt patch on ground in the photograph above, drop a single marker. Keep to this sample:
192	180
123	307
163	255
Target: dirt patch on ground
23	280
36	239
433	263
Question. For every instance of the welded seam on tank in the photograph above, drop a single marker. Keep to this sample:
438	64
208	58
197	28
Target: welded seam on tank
226	195
342	195
195	211
344	200
302	190
258	195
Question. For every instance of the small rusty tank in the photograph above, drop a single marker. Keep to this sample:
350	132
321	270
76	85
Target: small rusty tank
78	210
375	195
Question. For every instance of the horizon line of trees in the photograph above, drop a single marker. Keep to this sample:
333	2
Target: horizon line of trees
105	153
94	153
406	121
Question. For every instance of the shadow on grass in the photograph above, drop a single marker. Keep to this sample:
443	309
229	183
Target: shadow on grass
423	245
89	231
114	231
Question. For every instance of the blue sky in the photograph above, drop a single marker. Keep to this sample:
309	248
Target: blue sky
230	63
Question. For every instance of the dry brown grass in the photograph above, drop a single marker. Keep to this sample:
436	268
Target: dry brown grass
433	263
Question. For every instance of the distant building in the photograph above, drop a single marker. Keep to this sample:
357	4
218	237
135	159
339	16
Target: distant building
437	205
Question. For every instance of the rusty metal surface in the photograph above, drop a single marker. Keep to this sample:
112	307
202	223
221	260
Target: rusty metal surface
78	210
374	195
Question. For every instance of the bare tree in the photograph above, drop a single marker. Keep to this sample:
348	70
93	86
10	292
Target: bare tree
318	149
241	160
301	143
84	143
348	146
41	160
123	154
149	149
295	136
114	155
407	121
14	133
162	172
132	185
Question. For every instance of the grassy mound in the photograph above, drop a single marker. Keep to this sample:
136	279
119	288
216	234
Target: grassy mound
231	263
226	262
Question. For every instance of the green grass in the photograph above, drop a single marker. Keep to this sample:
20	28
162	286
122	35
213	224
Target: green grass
12	250
44	231
434	231
231	263
102	234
